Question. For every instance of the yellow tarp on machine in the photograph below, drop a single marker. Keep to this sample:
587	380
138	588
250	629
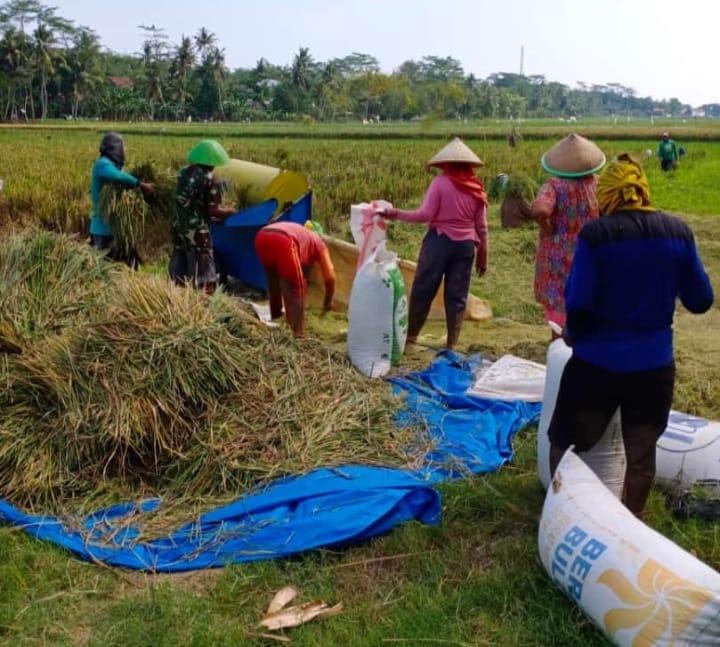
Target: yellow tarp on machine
344	256
259	183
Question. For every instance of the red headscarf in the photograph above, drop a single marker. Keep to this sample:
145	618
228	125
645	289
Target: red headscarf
464	178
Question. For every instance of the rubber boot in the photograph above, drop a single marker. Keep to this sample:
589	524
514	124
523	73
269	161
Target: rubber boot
454	321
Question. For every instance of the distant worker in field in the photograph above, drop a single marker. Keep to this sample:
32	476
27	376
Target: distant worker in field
286	250
455	210
107	169
629	268
667	153
198	203
513	138
562	206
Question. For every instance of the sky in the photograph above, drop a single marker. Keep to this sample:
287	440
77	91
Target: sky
660	48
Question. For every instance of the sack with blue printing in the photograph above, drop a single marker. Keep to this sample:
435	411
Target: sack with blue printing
377	314
639	587
688	453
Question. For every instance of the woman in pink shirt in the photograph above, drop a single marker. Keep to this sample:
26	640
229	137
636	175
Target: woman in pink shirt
455	208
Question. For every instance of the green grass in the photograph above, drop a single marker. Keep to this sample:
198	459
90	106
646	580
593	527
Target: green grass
473	580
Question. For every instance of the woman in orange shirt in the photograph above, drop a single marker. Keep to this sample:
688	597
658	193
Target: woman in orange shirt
285	250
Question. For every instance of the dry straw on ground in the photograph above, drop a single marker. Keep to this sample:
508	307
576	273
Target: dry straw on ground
126	385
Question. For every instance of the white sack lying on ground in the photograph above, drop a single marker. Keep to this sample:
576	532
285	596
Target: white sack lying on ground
509	378
640	588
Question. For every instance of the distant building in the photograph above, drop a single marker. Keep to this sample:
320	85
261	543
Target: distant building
122	82
269	83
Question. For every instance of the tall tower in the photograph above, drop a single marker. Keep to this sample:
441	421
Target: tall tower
522	60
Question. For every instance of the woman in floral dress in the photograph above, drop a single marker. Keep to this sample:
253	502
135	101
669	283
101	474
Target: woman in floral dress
562	206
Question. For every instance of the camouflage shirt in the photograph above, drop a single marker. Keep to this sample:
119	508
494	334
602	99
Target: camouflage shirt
197	190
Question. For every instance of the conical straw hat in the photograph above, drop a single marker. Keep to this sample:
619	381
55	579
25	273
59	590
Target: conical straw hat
455	151
573	156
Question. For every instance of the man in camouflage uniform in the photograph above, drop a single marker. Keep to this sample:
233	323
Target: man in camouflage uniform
199	200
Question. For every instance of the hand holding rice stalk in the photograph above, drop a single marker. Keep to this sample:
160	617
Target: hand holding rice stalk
128	211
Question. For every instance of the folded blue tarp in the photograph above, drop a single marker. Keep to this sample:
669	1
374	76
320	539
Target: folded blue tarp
325	508
471	435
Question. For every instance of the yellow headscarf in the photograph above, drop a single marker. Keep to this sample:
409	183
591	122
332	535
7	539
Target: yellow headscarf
622	186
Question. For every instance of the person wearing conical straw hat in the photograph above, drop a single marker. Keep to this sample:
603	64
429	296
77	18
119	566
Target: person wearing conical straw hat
629	268
562	206
455	210
198	203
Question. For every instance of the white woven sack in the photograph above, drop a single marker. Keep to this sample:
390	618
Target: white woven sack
607	457
688	452
377	314
509	378
639	587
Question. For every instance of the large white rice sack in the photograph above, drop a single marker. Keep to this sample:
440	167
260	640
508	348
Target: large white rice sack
607	457
640	588
377	314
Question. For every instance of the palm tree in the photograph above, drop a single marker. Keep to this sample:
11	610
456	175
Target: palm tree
204	42
14	65
182	65
301	68
216	58
84	67
301	73
44	59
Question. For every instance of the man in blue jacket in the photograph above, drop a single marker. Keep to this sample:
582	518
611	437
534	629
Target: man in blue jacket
630	266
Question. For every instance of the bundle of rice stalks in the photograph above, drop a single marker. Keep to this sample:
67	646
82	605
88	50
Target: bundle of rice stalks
49	282
515	185
130	213
166	391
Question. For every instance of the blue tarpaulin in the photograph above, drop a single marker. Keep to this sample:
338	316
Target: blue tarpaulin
325	508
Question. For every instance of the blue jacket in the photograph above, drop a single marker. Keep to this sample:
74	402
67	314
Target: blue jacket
629	268
105	172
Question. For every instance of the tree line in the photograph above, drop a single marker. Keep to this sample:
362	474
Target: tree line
52	68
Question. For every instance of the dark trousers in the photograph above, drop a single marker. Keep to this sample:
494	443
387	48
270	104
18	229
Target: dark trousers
131	258
441	258
588	398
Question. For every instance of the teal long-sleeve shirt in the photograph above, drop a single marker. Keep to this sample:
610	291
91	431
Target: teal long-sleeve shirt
667	150
105	172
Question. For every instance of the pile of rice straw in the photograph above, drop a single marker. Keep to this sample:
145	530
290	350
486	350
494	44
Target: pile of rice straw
116	384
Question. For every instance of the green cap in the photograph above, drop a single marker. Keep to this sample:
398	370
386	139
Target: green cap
208	152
